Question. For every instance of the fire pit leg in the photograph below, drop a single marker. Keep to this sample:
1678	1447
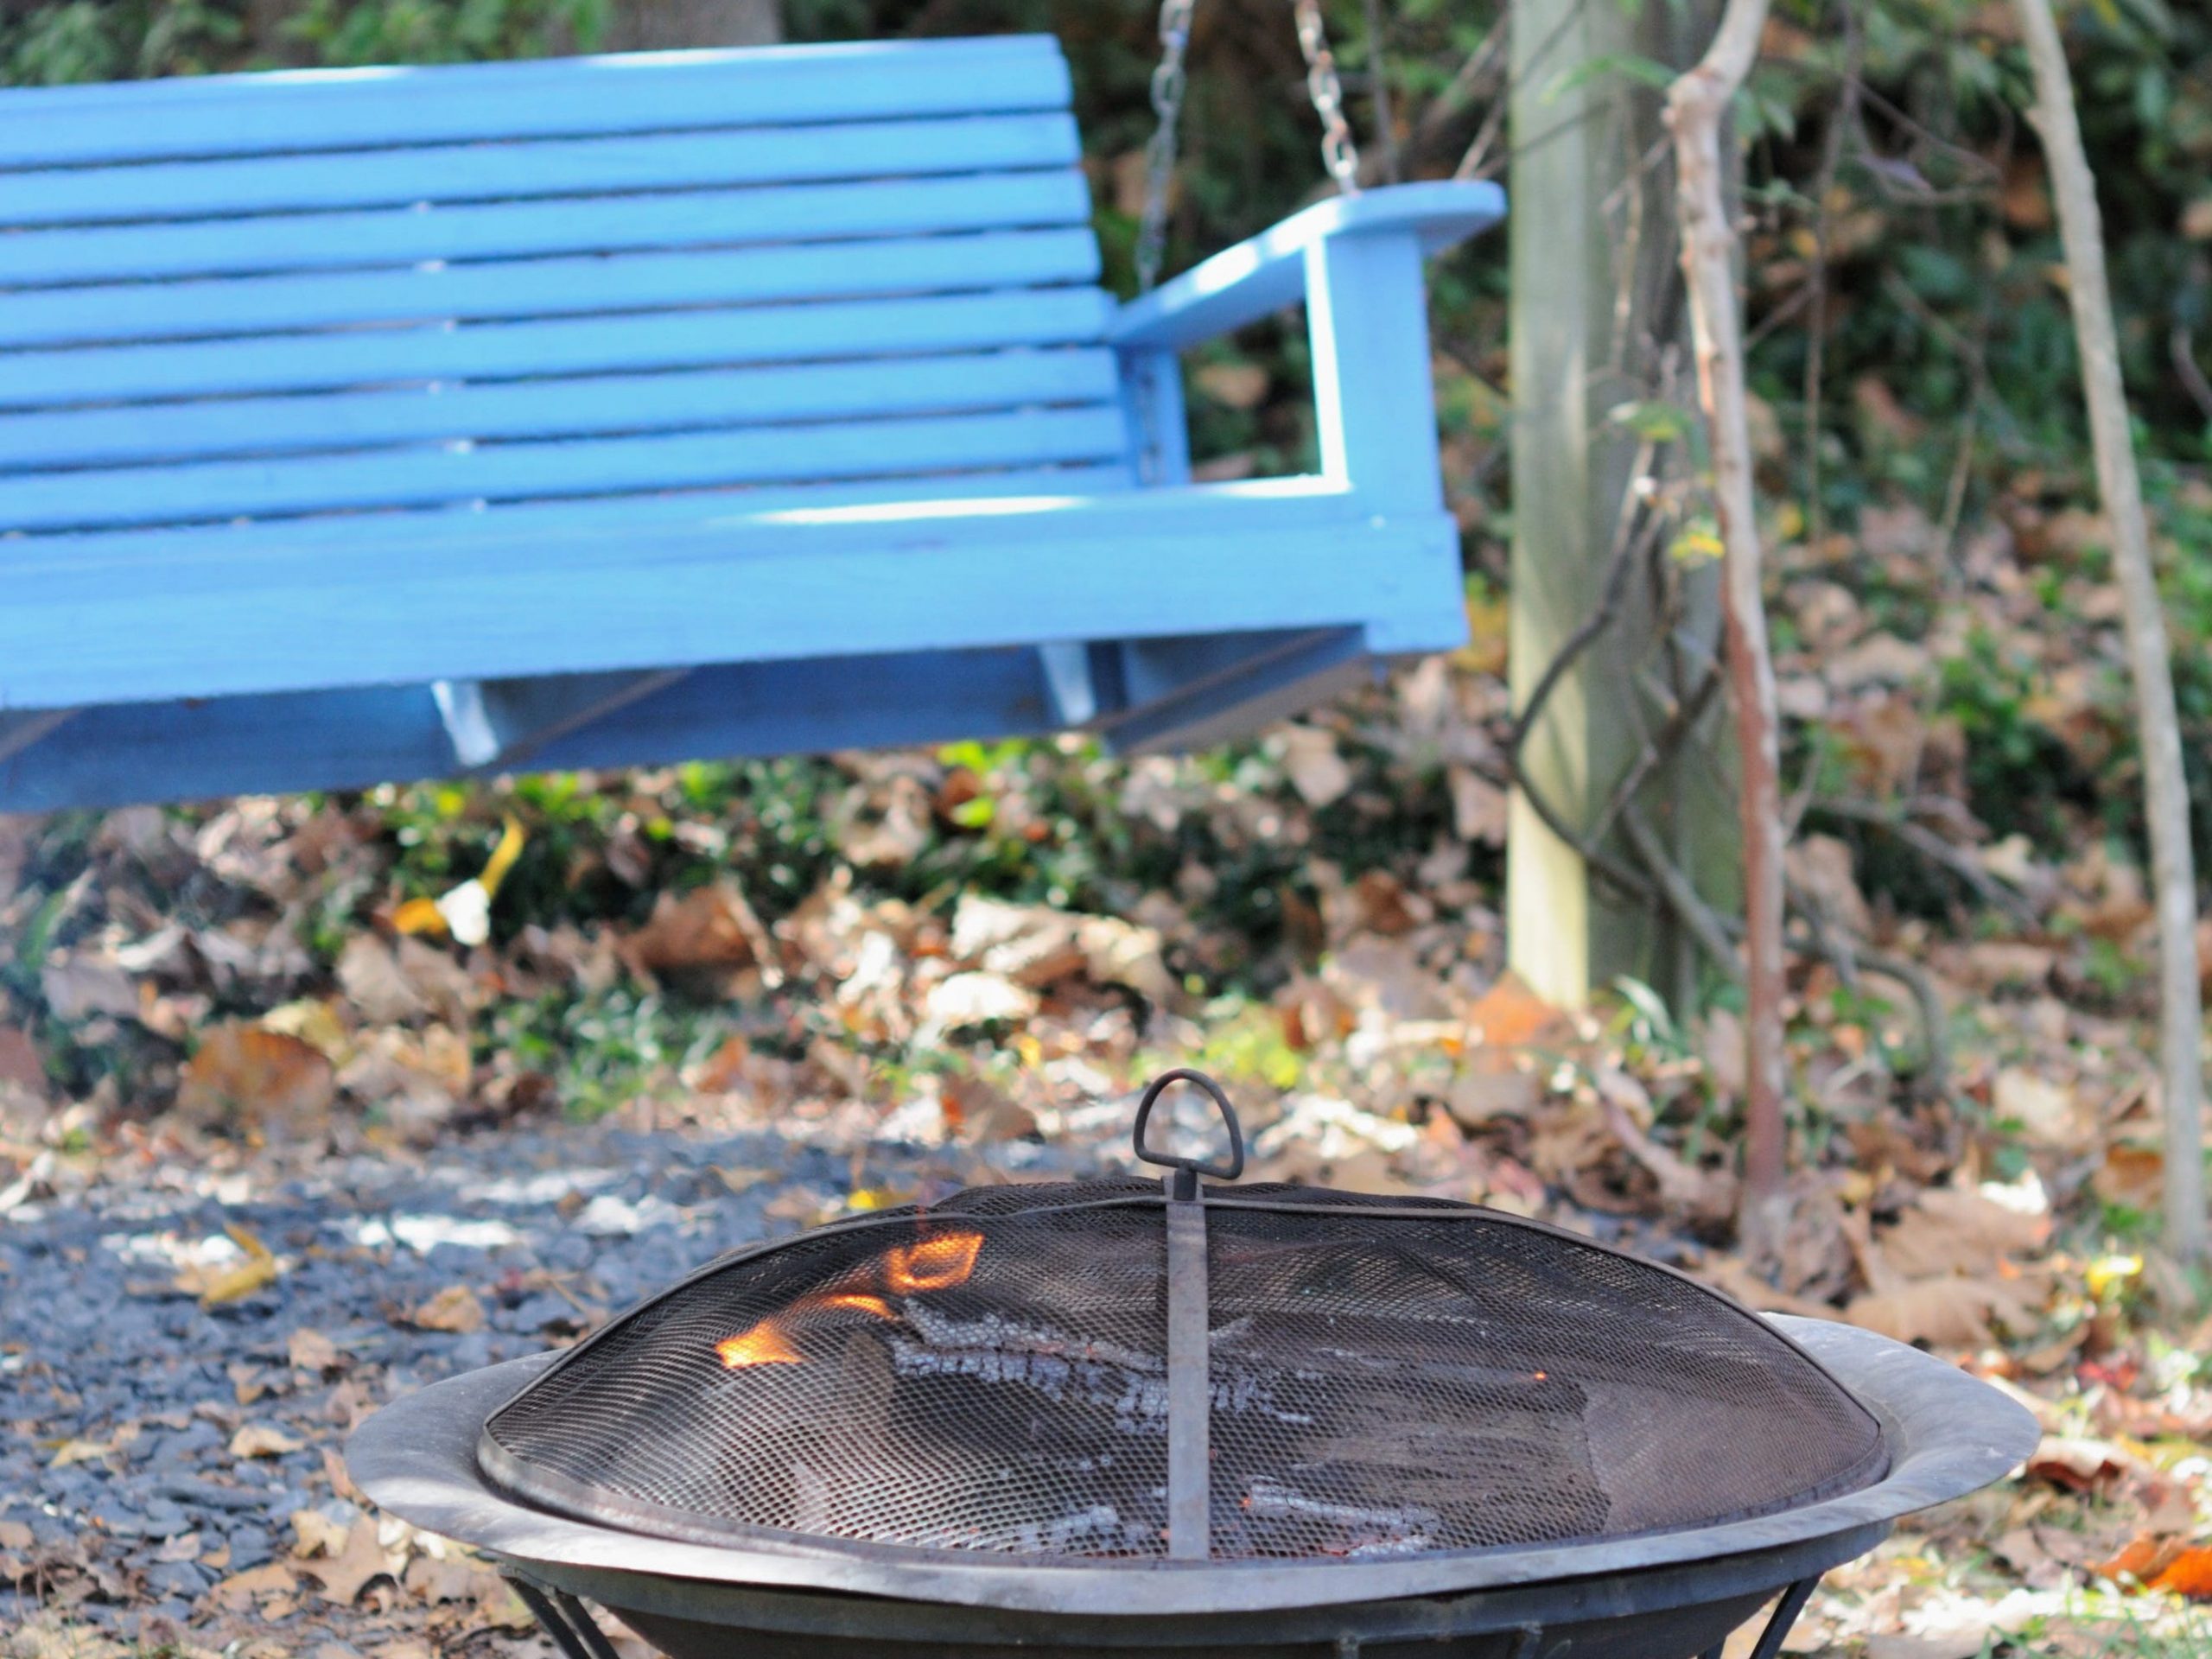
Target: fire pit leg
563	1619
1777	1628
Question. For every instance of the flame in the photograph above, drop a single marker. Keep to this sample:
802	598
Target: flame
940	1262
859	1301
764	1345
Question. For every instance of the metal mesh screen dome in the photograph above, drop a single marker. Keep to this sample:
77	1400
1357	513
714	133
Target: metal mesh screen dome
1381	1378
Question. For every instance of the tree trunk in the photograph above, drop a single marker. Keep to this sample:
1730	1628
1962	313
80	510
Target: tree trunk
1697	106
2166	790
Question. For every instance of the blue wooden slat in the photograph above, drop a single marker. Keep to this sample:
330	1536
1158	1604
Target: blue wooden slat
460	600
893	700
348	738
192	750
552	409
510	171
384	237
173	554
338	739
511	472
367	108
1018	507
599	345
538	288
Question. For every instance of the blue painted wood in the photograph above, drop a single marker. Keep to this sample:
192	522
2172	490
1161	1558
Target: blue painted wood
1368	330
511	229
1151	401
256	541
672	400
496	724
18	731
423	476
460	598
1194	693
764	333
114	312
377	108
561	167
623	409
195	751
772	522
1261	275
349	738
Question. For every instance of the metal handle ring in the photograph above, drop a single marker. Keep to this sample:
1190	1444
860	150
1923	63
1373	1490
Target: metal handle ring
1193	1166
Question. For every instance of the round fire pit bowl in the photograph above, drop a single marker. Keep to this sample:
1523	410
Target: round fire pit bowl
1101	1417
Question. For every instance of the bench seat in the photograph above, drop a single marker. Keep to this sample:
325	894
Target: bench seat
359	426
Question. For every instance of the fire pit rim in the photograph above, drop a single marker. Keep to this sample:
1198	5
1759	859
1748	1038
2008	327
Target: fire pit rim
1947	1433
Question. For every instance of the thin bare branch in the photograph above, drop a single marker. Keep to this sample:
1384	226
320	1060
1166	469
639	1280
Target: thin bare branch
1696	106
2165	787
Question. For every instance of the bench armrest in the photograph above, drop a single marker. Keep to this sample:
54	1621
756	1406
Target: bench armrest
1262	275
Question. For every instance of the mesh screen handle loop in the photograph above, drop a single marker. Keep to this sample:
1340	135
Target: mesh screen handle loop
1188	1170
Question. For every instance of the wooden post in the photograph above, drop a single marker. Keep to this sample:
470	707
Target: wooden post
1593	253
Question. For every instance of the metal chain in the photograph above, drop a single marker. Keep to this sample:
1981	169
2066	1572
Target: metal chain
1168	81
1339	151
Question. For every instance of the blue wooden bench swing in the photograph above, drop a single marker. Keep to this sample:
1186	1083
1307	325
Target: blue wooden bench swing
395	423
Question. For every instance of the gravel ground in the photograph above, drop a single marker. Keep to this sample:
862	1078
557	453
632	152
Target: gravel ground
159	1448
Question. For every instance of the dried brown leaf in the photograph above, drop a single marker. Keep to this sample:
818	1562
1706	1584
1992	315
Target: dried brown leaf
369	973
1234	385
2080	1463
259	1079
263	1440
705	928
242	1590
316	1533
79	984
256	1268
1316	770
309	1349
974	998
1948	1313
2189	1574
1954	1230
359	1564
1478	806
455	1309
1510	1015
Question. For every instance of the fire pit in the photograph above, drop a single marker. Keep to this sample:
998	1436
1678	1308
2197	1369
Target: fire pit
1106	1416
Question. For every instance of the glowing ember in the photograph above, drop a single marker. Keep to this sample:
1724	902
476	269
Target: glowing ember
938	1263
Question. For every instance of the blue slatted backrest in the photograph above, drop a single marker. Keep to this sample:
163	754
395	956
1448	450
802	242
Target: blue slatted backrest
264	296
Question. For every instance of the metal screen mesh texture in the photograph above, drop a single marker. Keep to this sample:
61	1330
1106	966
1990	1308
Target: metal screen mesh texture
992	1376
